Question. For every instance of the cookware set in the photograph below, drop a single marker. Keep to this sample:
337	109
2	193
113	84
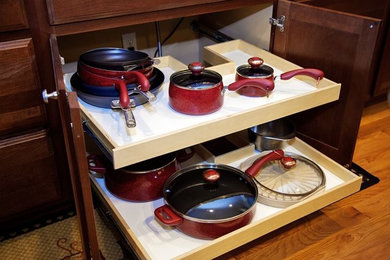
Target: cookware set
117	78
204	200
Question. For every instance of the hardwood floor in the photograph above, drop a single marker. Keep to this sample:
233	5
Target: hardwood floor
357	227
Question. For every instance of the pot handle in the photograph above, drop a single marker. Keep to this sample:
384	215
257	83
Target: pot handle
314	73
265	84
124	99
94	164
167	216
140	78
143	84
256	166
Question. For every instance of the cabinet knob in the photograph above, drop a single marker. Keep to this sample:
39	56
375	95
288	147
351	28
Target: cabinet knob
46	96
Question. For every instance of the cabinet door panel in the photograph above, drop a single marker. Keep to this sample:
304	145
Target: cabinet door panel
27	174
12	15
344	47
82	10
20	95
76	154
382	84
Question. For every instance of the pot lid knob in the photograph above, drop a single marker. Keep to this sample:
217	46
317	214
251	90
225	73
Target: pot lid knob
211	175
196	68
255	62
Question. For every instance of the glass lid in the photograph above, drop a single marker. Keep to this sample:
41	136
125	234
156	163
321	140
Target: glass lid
280	186
255	69
196	77
210	192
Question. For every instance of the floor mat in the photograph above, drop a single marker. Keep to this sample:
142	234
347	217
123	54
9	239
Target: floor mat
60	240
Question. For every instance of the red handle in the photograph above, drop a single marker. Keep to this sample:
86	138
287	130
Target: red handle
265	84
211	175
94	164
140	78
196	68
255	62
167	216
256	166
314	73
124	99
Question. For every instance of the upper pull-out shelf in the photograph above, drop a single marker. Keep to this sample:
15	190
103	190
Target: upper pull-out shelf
160	129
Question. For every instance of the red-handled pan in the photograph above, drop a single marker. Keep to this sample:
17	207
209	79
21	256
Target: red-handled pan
103	78
257	80
210	200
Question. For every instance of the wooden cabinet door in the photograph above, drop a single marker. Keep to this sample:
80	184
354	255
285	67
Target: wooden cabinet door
76	154
344	46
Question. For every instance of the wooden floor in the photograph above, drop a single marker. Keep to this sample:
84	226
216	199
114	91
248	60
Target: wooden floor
357	227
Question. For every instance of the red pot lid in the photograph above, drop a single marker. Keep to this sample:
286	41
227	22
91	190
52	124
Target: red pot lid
255	69
196	77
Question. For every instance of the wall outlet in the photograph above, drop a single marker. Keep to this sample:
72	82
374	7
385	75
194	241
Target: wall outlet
129	41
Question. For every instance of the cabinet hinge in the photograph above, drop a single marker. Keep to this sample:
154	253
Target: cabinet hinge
279	22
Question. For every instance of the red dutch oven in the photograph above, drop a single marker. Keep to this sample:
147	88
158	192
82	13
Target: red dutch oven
139	182
256	79
196	91
210	200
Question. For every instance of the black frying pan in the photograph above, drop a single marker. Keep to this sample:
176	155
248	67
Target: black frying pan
116	59
105	101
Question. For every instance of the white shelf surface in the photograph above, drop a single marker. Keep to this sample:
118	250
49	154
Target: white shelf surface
168	243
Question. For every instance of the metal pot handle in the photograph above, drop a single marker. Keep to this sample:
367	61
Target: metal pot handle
167	216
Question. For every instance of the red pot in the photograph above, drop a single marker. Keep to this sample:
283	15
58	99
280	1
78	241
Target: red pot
257	80
210	200
196	91
139	182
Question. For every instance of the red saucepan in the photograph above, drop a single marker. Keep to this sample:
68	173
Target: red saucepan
257	80
139	182
209	200
196	91
142	181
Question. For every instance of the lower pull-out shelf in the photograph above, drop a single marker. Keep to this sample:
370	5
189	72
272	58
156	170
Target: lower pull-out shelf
152	241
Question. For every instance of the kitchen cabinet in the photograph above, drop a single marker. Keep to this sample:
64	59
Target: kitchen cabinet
136	221
51	19
34	177
343	40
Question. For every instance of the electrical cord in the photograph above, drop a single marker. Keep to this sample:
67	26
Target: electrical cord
170	34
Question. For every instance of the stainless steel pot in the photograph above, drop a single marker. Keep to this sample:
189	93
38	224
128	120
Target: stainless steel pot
272	135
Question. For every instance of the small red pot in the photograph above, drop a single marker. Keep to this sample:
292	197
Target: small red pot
196	91
257	80
139	182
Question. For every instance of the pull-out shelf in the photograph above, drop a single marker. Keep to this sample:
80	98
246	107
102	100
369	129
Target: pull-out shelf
160	129
152	241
